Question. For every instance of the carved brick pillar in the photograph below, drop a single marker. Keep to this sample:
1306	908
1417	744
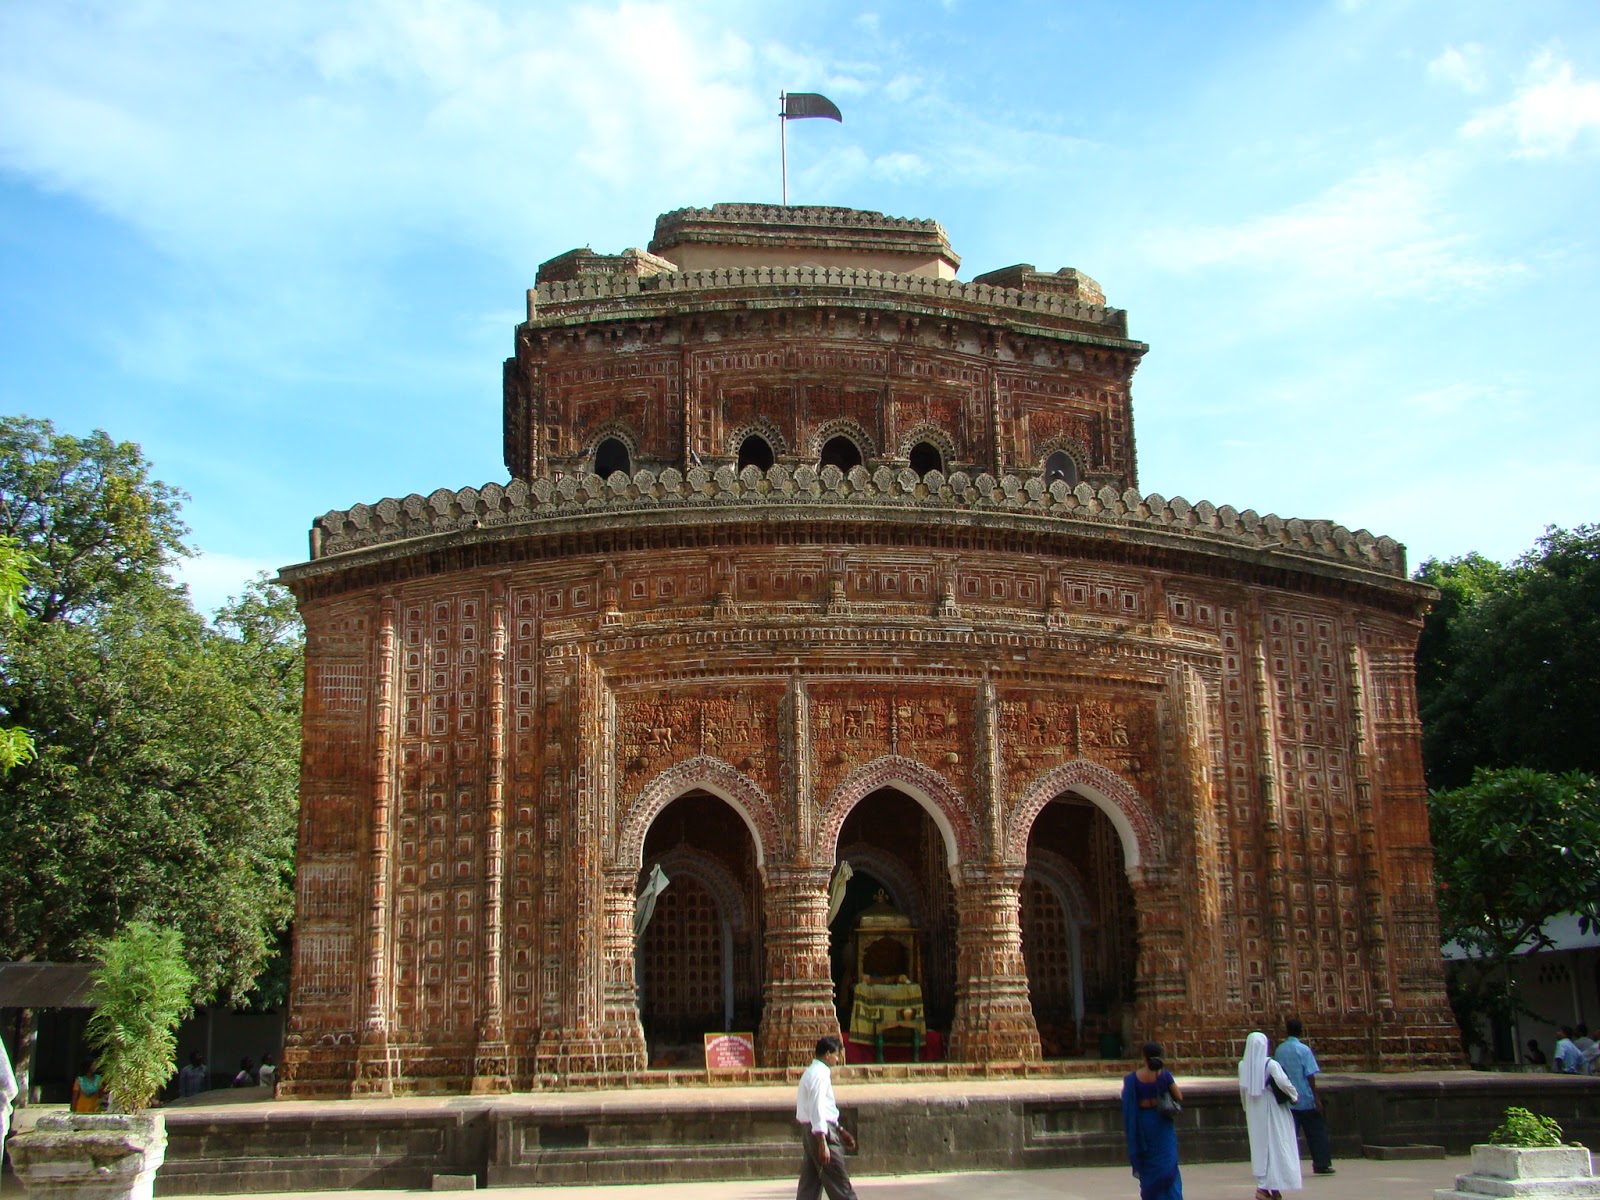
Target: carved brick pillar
374	1074
993	1018
798	1007
1161	990
624	1035
491	1060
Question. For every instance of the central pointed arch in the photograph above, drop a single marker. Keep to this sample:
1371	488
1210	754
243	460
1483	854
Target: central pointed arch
709	774
927	787
1142	843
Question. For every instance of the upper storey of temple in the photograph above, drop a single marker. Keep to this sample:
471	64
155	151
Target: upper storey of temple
763	369
760	334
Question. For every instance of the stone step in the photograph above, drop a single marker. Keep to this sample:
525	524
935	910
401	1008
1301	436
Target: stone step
1490	1187
652	1164
325	1173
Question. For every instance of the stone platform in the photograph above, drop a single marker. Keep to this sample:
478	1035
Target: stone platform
686	1132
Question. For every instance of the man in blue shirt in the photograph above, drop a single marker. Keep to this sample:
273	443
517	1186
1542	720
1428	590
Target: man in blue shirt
1297	1061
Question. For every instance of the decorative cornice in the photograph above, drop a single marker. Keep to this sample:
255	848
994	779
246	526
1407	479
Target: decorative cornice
567	302
781	494
792	214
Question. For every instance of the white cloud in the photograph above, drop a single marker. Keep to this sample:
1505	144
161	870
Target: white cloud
305	131
1462	66
899	165
1547	115
902	87
1382	232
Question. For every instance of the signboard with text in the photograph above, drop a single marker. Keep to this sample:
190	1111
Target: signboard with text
730	1052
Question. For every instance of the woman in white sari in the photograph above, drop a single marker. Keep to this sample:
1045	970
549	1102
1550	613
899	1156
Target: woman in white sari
1274	1152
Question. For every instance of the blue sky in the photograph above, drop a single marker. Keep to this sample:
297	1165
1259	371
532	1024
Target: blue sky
283	246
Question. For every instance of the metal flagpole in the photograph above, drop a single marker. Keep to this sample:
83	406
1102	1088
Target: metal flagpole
783	143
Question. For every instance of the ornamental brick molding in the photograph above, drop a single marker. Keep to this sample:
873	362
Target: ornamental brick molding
942	802
1142	843
1168	752
709	774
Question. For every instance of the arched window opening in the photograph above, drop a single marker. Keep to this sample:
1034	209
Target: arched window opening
925	457
841	452
754	452
1060	466
612	456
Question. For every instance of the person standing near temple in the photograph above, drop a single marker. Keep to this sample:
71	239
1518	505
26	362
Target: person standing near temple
194	1078
1266	1094
825	1141
1300	1065
1151	1127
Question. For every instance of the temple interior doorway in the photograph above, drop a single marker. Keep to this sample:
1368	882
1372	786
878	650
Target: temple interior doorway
898	895
699	958
1079	932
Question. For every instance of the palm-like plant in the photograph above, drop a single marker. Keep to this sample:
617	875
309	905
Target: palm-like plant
140	991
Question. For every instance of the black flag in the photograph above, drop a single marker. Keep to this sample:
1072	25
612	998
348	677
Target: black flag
809	104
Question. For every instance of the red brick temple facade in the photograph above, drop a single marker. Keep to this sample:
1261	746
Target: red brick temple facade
813	554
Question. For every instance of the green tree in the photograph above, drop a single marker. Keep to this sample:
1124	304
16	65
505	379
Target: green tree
1509	661
16	743
140	991
1513	849
164	786
86	510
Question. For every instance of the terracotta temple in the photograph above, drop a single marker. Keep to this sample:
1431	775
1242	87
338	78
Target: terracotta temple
811	555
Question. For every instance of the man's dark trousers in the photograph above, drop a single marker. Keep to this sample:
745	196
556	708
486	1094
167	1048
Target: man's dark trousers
816	1176
1314	1125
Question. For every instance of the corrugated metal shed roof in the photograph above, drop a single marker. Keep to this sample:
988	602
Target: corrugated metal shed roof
45	985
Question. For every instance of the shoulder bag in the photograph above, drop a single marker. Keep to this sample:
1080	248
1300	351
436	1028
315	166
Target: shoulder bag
1166	1105
1281	1096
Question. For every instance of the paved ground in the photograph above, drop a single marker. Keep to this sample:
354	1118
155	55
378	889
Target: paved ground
1356	1180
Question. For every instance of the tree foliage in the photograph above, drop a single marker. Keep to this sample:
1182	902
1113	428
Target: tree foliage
16	743
1512	850
87	512
1508	666
140	990
167	750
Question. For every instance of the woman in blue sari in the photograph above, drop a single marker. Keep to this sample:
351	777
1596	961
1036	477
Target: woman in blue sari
1152	1134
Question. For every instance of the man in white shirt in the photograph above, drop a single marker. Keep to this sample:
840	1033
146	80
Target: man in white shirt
825	1142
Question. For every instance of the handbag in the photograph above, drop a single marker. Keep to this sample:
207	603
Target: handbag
1278	1093
1167	1106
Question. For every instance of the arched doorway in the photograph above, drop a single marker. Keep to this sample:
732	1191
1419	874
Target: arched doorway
755	451
899	858
840	452
1060	465
925	457
1079	931
699	957
610	457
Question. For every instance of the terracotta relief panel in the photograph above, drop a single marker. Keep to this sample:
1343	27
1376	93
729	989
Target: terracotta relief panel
1305	674
852	725
639	391
1041	730
658	730
438	818
945	409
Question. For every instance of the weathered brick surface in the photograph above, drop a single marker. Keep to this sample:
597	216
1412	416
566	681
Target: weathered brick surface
508	686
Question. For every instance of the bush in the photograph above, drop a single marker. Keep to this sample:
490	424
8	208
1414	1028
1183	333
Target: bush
141	990
1526	1130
